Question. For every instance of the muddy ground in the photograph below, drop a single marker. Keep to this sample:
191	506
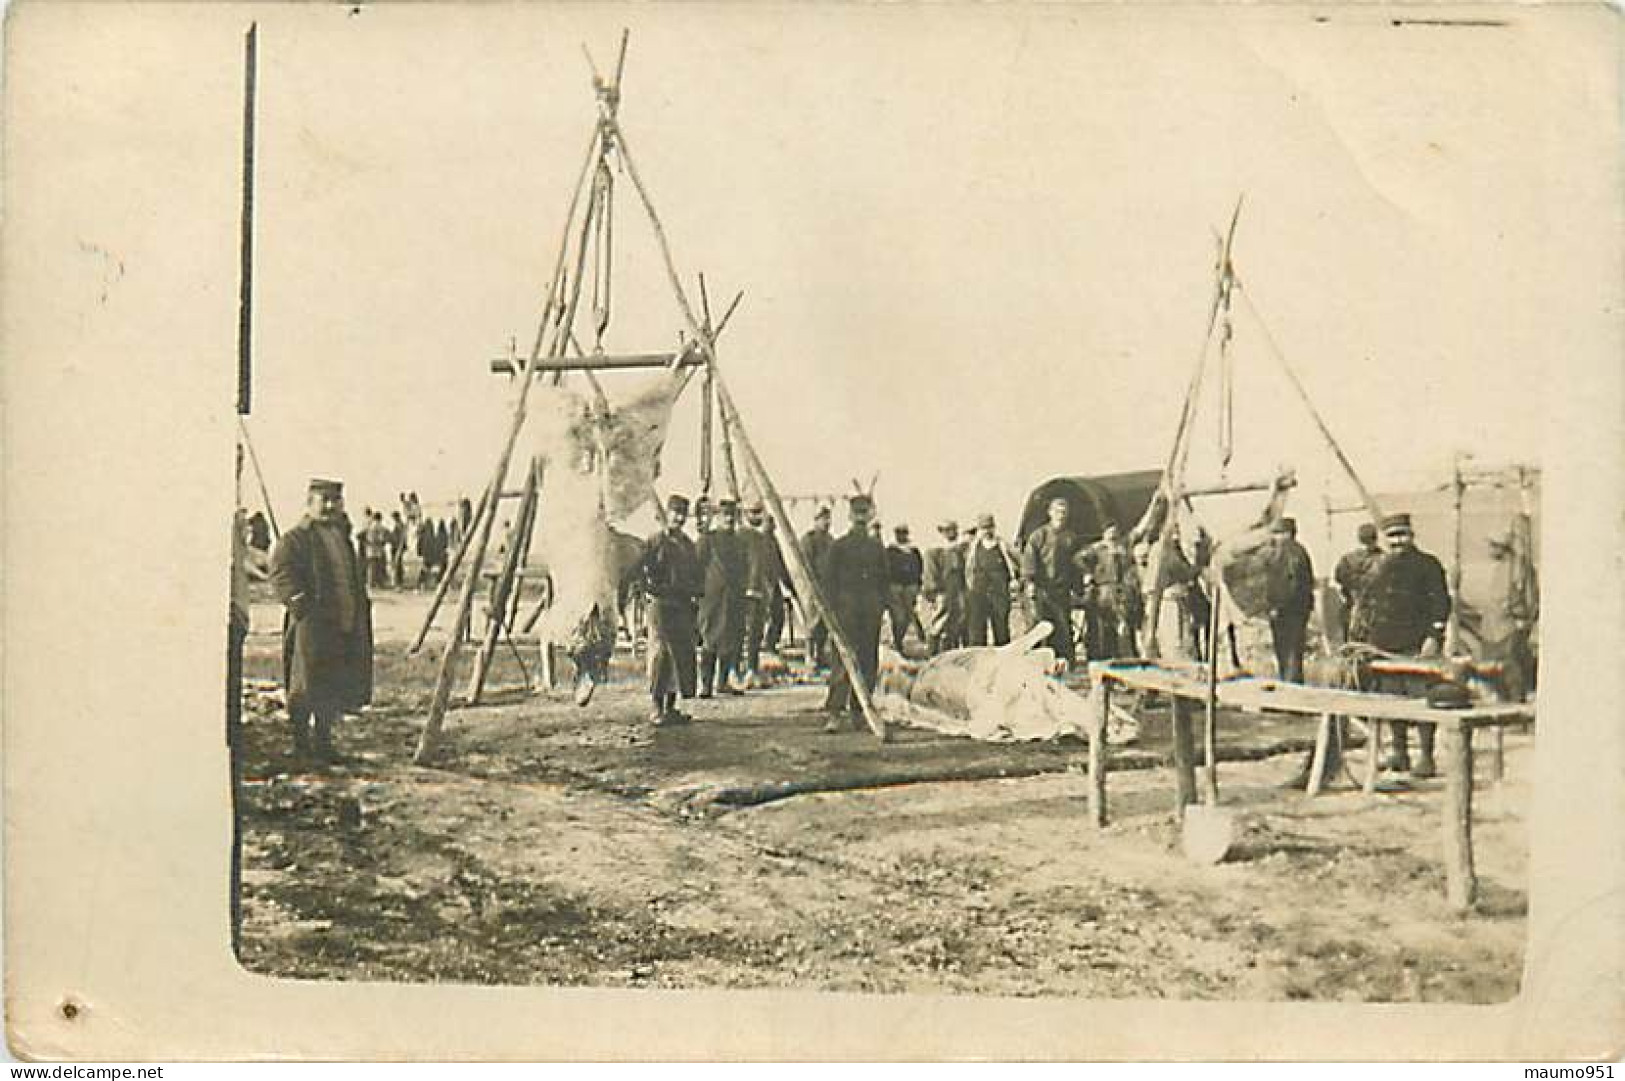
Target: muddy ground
560	845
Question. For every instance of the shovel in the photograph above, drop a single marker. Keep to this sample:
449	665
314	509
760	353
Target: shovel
1208	830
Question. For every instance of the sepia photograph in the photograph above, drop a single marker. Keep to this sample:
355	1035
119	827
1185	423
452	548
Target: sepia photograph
1010	502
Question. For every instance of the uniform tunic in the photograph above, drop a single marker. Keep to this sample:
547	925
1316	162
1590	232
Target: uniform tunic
1350	575
989	570
1048	561
327	622
724	563
855	579
906	568
1405	602
1292	598
942	584
1113	602
670	575
815	546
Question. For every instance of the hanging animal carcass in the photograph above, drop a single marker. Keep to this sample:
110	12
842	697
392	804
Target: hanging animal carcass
598	466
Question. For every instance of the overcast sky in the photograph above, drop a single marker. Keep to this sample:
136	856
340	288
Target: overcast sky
976	242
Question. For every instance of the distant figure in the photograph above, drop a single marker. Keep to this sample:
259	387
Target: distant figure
669	575
397	549
942	584
1049	565
430	556
854	578
815	544
1292	599
327	625
465	515
1352	572
377	548
1403	609
906	568
991	569
724	563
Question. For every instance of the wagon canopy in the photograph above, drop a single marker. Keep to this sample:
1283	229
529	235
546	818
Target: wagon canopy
1118	499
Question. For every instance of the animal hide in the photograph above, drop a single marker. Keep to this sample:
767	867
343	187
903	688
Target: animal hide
996	693
599	464
1244	559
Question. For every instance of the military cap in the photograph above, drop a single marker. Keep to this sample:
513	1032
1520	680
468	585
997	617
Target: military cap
727	504
860	502
326	487
947	524
676	503
1396	523
755	506
1285	525
984	521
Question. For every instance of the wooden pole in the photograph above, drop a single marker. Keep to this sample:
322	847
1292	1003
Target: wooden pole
800	572
1210	718
1458	486
245	246
259	477
1461	883
1180	710
429	739
500	588
1372	509
450	573
1099	718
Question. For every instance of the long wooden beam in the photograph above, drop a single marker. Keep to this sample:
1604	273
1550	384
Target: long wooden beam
630	361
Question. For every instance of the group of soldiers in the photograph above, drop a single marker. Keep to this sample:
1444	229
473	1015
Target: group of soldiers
721	598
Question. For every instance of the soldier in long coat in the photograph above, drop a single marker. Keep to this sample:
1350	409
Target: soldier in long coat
1049	565
942	584
763	571
669	574
1292	598
327	622
1403	609
1353	570
724	563
815	545
855	580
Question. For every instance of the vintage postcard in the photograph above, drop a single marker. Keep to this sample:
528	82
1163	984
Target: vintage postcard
715	531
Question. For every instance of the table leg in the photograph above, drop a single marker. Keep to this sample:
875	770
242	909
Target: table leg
1317	763
1097	753
1461	887
1500	754
1373	753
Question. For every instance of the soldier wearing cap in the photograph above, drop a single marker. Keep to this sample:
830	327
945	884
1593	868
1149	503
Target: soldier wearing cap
764	571
855	579
1049	565
1291	590
1353	570
1403	609
1112	601
815	545
991	570
906	569
669	575
327	621
724	563
942	585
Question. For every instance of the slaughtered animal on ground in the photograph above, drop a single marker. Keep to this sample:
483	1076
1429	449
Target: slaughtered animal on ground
998	693
598	467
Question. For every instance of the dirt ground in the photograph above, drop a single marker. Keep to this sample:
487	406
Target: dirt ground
560	845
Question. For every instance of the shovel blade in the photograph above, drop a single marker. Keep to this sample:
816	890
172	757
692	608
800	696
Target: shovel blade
1207	833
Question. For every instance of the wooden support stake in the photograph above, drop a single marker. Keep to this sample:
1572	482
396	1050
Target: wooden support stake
1373	754
1317	762
1099	718
1461	885
500	591
1210	716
